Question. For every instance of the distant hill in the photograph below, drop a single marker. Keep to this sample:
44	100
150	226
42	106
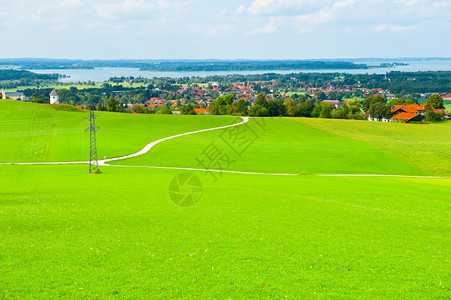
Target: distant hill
182	65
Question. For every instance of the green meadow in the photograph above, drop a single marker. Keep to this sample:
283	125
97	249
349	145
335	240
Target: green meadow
318	146
67	234
39	133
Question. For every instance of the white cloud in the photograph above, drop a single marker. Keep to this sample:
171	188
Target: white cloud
171	23
392	27
262	6
286	7
240	9
72	2
126	9
271	27
344	3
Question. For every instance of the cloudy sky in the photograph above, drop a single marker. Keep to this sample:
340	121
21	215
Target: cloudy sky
193	29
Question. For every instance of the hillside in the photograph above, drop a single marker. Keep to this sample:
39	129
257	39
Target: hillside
299	145
37	133
69	234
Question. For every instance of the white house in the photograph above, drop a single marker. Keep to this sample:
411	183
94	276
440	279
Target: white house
54	97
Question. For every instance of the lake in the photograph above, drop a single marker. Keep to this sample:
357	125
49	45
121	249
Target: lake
103	74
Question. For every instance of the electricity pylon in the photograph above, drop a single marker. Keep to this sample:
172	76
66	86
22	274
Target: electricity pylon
93	161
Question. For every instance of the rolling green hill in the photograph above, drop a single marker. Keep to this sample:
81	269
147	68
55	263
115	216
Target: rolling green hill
37	133
317	146
67	234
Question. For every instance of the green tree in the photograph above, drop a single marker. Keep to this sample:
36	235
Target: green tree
379	110
305	108
222	105
93	99
112	104
275	108
398	101
316	110
241	107
436	101
164	111
291	107
395	101
367	102
139	109
258	110
99	106
430	115
261	100
340	113
37	100
65	96
326	111
187	109
322	96
124	100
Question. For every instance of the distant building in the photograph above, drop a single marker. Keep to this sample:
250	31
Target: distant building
408	112
54	99
335	103
418	109
407	117
14	96
202	111
3	93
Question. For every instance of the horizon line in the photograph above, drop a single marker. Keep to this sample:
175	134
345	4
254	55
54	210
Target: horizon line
225	59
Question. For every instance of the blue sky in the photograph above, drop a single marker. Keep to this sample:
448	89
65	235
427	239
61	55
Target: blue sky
197	29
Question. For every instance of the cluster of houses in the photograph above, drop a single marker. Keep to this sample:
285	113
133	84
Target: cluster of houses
409	113
203	95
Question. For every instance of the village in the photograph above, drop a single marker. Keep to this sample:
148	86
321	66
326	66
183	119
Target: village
139	95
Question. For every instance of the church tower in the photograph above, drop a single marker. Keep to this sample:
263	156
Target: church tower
54	97
3	93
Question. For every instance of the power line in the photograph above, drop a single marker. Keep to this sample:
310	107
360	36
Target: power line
93	161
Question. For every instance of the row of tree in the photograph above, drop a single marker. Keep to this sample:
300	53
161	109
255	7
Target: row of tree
376	106
264	107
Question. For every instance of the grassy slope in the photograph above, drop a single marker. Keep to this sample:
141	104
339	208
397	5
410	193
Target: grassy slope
67	233
31	132
427	147
285	145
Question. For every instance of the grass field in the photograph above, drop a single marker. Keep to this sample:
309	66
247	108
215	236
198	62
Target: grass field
65	233
300	145
33	132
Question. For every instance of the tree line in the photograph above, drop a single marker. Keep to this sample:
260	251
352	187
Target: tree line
265	107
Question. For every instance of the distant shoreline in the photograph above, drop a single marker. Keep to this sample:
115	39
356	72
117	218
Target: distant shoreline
208	65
